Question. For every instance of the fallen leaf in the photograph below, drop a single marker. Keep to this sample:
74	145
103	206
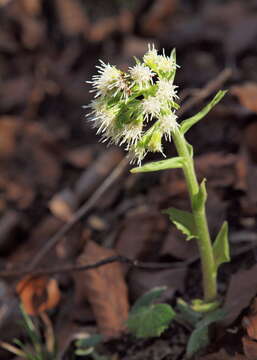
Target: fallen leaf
32	7
250	348
72	16
242	288
250	321
161	11
217	167
38	294
105	289
223	355
140	234
9	129
80	157
249	137
175	245
247	95
141	281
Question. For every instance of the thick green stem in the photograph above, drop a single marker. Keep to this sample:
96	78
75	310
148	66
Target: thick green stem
203	240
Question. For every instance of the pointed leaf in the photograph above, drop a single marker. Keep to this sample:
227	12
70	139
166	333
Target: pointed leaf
150	321
188	123
174	163
198	340
190	149
201	197
200	336
184	221
187	313
148	298
221	246
89	342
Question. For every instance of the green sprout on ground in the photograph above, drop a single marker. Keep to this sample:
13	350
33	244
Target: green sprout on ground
37	347
137	109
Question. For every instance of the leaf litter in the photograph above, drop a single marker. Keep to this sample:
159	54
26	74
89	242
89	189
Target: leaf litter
38	160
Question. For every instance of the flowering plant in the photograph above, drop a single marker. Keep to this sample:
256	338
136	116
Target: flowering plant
125	102
138	109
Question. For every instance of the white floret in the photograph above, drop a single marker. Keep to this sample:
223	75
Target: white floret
151	57
131	134
137	155
107	78
166	90
151	107
168	124
141	75
166	64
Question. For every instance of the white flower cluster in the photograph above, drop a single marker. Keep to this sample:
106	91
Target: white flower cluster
125	102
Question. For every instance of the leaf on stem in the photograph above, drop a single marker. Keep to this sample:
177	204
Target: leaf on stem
174	163
221	246
200	336
201	197
147	319
184	221
188	123
150	321
148	298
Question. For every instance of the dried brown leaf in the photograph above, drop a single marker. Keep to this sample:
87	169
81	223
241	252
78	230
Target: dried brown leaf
249	138
160	12
242	289
247	95
175	245
105	289
140	234
250	348
223	355
38	294
250	321
72	17
9	129
141	281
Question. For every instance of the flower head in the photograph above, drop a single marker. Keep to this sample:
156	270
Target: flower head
108	77
137	108
166	90
168	124
151	57
141	75
151	107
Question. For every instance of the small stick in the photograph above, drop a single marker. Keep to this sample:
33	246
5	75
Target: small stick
106	261
65	203
82	211
210	87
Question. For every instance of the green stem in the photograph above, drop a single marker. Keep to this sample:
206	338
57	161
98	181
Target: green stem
203	240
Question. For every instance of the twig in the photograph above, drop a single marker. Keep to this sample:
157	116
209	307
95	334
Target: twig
109	260
82	211
201	94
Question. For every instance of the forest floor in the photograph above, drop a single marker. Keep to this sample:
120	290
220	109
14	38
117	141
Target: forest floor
68	201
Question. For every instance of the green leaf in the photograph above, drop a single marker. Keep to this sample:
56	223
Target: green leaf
184	221
198	340
221	246
200	198
150	321
200	336
188	123
90	341
187	313
174	163
202	306
212	317
148	298
190	149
